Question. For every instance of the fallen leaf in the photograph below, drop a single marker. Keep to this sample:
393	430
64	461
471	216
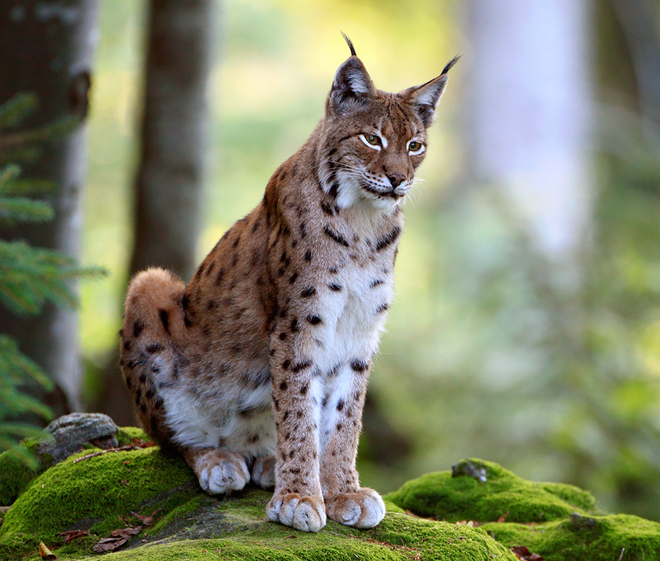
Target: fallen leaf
109	544
45	553
521	552
503	517
125	482
146	520
117	538
71	535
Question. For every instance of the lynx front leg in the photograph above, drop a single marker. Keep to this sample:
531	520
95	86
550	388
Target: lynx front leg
346	502
297	500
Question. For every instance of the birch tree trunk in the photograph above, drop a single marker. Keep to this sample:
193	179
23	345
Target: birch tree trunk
47	49
169	182
530	114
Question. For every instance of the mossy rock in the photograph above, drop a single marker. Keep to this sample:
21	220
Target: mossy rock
16	474
484	492
557	521
93	493
97	493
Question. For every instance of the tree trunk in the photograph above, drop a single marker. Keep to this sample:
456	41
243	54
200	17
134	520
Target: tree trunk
169	181
47	49
530	114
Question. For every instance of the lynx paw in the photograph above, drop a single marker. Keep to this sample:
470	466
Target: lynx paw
263	472
363	509
302	512
220	471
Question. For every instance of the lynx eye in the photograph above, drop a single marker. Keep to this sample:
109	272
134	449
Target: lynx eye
415	147
371	140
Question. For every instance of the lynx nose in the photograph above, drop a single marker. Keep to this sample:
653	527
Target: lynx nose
396	179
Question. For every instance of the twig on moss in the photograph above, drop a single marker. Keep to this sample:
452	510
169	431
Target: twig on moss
118	449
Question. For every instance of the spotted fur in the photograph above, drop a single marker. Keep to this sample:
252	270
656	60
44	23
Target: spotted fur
258	368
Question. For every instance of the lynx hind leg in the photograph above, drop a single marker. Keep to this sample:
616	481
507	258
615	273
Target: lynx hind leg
218	470
263	472
151	338
363	509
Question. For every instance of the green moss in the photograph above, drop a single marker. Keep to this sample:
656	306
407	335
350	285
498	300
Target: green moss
126	435
16	474
391	507
597	538
92	493
235	528
484	491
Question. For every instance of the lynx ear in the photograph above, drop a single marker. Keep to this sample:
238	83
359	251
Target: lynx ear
425	98
352	85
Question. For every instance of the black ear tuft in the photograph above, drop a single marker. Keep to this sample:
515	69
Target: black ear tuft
450	64
350	44
425	98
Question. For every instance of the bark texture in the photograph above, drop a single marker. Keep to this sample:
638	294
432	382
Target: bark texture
170	178
47	49
169	181
530	114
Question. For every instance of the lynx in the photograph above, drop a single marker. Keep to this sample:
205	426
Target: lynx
257	370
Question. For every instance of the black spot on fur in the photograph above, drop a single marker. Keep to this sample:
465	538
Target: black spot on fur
234	260
138	326
333	270
335	236
211	304
310	291
334	287
359	366
314	320
127	345
382	308
304	389
303	229
293	278
236	241
301	365
143	408
143	378
154	348
299	414
165	320
294	325
158	402
327	208
375	283
340	405
282	336
150	392
308	256
285	366
339	426
388	239
219	277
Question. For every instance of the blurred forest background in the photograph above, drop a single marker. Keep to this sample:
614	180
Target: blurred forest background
526	328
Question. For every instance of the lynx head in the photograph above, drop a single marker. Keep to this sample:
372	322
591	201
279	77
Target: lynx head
373	141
